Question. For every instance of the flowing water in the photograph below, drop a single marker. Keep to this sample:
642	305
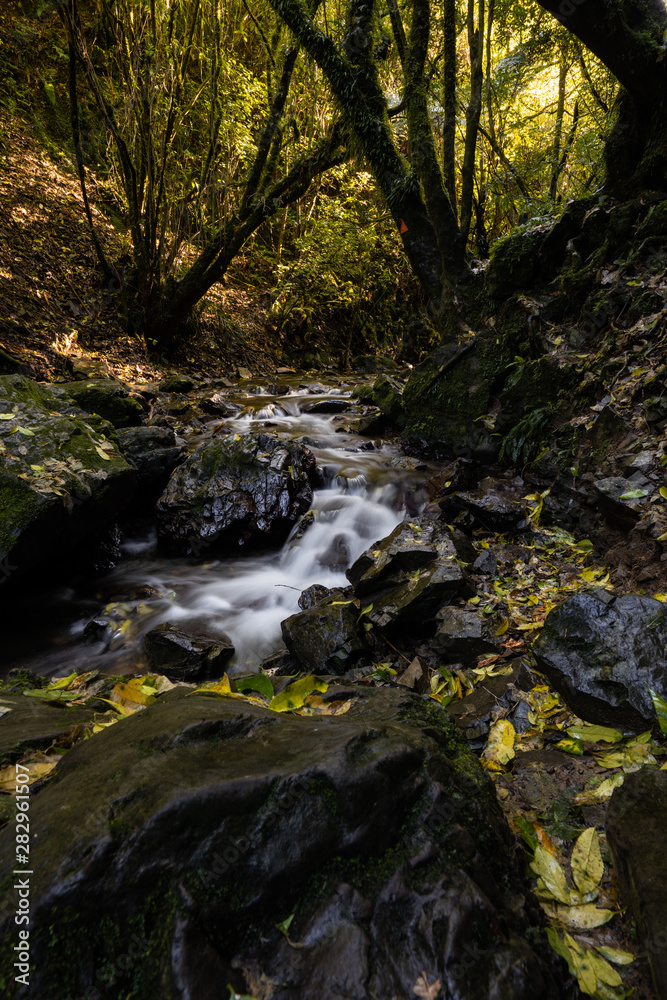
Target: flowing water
244	596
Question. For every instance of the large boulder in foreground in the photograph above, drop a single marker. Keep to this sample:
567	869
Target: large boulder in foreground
233	491
637	836
172	844
61	480
604	655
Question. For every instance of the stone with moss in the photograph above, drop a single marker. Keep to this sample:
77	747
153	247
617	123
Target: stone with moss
110	400
60	482
235	491
205	842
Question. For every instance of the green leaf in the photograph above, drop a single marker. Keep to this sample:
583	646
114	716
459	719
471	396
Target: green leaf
603	970
615	955
561	949
258	682
572	746
296	693
527	832
549	870
595	734
44	694
634	494
663	492
660	706
26	432
285	925
586	861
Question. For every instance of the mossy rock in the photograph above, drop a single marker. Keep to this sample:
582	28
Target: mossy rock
449	396
110	400
515	262
61	481
387	395
173	843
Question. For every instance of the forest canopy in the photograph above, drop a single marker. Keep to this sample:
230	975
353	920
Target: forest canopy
350	154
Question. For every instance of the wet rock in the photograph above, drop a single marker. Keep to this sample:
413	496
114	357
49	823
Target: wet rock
197	819
603	655
327	638
333	405
69	490
411	546
463	636
233	492
416	676
636	823
621	514
414	604
184	657
110	400
495	509
154	454
372	423
176	383
32	724
244	373
314	595
219	405
337	553
486	563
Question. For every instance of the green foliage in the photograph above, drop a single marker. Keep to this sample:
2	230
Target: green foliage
346	270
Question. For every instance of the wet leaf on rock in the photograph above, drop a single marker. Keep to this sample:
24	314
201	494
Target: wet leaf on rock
295	694
586	861
595	734
499	750
549	870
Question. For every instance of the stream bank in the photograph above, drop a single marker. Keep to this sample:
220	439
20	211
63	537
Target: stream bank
406	576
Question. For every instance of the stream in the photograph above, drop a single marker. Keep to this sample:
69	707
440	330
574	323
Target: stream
100	624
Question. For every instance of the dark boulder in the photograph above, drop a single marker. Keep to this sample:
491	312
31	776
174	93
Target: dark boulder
177	383
616	504
185	657
328	638
637	835
604	655
173	843
493	509
62	480
154	454
314	595
334	404
219	405
411	546
410	575
463	636
110	400
249	489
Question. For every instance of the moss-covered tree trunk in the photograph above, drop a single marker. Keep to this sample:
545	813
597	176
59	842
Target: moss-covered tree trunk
627	35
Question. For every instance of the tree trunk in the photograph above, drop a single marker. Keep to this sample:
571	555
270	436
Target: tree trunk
627	36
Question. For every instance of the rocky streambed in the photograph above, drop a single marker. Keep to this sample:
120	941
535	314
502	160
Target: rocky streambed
282	642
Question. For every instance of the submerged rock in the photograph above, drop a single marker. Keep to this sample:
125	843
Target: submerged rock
249	489
62	480
179	838
604	655
185	657
636	831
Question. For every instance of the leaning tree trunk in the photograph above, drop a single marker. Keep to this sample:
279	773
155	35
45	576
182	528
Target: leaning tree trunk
627	36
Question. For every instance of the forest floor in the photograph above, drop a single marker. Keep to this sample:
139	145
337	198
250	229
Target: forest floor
54	305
